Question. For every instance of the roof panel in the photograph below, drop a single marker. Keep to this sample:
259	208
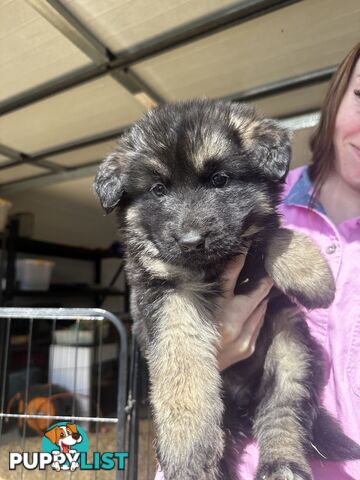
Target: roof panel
20	172
32	50
84	155
285	104
120	24
95	107
285	43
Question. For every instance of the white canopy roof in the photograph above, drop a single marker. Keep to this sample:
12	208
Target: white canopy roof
75	73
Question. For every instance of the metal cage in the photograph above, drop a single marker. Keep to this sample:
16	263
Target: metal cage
80	372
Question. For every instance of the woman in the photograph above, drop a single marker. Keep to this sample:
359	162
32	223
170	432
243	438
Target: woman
323	201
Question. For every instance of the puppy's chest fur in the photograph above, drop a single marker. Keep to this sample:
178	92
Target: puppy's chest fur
177	306
168	299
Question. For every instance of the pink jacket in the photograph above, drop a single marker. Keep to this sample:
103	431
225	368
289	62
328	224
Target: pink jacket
337	329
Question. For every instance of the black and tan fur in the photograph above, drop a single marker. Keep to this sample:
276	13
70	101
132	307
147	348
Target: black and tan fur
204	419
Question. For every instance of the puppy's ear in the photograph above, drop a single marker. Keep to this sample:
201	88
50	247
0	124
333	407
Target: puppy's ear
109	183
272	146
267	142
274	157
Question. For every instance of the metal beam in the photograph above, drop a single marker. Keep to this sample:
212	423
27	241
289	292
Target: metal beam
198	29
10	153
50	178
178	37
283	86
78	34
294	123
38	158
292	83
18	158
118	66
274	88
81	143
136	85
52	87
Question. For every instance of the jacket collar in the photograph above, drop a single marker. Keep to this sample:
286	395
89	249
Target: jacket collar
300	193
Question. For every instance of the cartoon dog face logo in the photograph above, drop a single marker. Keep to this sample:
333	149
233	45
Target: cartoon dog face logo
64	437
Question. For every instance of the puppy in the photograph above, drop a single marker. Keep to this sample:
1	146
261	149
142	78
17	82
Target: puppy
64	437
195	184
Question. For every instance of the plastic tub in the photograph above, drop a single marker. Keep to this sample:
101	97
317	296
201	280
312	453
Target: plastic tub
34	274
5	206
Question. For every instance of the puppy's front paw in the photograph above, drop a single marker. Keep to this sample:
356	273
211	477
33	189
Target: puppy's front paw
299	270
283	470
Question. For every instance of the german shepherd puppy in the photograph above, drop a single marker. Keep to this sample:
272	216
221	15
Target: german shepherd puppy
195	184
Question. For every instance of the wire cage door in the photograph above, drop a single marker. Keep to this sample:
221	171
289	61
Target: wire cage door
61	369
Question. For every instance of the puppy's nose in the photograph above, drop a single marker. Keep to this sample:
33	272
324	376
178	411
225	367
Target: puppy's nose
191	241
76	436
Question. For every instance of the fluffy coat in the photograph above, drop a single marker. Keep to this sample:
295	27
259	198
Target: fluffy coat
195	184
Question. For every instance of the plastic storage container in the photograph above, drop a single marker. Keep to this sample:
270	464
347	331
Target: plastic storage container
5	206
34	274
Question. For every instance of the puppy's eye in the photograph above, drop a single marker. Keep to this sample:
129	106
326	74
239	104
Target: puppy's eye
62	434
219	179
158	189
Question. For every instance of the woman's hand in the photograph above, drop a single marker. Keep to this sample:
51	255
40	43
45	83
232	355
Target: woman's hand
240	317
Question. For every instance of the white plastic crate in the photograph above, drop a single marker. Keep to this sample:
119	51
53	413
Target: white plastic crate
34	274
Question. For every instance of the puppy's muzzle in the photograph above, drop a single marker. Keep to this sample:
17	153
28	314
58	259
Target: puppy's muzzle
191	241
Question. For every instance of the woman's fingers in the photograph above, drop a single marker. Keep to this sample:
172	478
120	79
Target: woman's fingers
231	275
239	317
262	290
252	328
235	310
243	344
244	305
